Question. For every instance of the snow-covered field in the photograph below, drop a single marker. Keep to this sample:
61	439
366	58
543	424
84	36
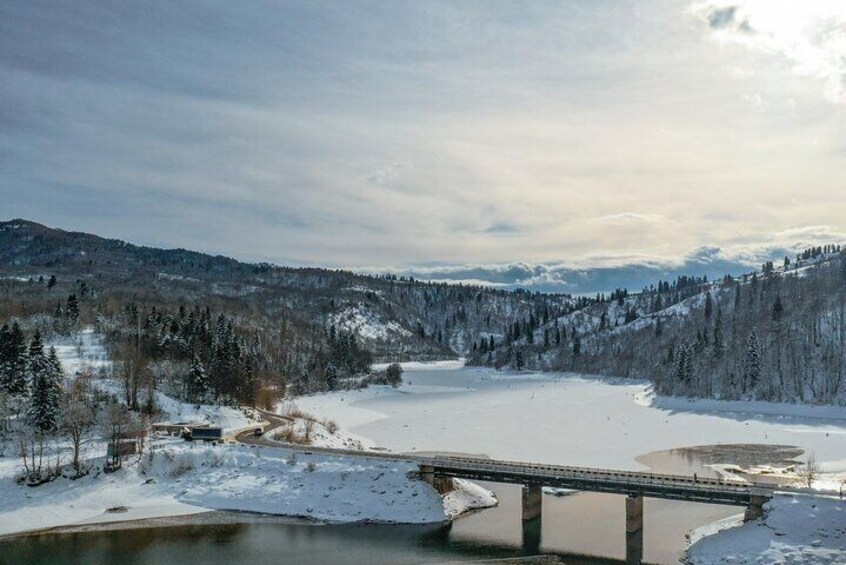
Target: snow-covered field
797	529
191	478
178	478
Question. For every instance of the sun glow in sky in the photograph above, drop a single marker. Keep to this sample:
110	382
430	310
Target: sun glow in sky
810	35
384	133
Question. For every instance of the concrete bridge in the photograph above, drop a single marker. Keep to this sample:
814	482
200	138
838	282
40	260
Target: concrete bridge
438	471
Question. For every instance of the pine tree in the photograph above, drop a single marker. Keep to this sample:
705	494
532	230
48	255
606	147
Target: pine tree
753	362
719	345
45	375
778	309
5	357
72	311
199	386
682	364
331	377
709	306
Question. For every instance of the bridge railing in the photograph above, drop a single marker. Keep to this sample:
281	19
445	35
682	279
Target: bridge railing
633	478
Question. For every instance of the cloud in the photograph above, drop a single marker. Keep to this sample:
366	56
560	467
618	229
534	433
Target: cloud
720	18
386	175
810	36
502	228
604	274
625	218
408	133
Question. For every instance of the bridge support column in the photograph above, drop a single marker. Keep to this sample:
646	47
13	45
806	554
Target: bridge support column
755	509
532	498
441	484
444	485
634	529
532	502
427	474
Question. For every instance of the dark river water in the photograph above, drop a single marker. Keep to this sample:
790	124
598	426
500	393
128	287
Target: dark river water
582	528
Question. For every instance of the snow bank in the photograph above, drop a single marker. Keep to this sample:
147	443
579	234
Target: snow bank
320	436
735	407
467	496
796	529
228	418
279	481
190	478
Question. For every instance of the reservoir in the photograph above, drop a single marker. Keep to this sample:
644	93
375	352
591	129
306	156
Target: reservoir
557	419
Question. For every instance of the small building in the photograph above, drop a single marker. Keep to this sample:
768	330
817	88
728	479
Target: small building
177	428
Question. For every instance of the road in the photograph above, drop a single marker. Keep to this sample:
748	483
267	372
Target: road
274	421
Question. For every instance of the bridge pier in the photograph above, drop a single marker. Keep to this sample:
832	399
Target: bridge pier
427	474
441	484
634	529
755	509
532	502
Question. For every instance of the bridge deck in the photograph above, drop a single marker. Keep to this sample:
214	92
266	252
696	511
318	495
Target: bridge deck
676	487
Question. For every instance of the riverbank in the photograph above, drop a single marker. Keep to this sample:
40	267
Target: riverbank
795	529
184	479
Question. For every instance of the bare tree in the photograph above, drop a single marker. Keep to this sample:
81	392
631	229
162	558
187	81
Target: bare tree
132	368
77	423
117	423
31	451
809	470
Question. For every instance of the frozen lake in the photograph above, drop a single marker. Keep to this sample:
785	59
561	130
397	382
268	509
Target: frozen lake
564	419
585	421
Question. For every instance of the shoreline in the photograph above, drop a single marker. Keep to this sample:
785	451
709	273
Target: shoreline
210	517
206	518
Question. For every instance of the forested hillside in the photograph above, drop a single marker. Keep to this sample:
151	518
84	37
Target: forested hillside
777	334
213	328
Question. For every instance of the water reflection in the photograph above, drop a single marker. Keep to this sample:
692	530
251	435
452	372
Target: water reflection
584	528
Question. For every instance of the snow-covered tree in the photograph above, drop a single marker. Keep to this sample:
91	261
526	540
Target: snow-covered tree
46	390
13	360
199	384
753	362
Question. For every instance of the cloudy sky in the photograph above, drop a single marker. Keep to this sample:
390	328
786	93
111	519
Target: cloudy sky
428	135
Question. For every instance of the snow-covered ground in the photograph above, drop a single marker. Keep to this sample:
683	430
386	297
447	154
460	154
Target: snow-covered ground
85	353
178	478
190	478
81	353
367	324
796	529
318	433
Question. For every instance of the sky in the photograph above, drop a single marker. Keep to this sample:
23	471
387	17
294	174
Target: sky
454	139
